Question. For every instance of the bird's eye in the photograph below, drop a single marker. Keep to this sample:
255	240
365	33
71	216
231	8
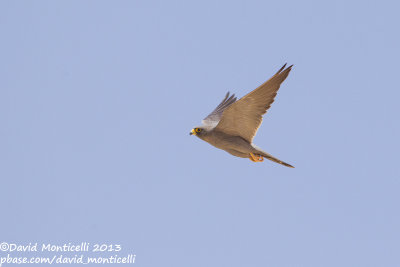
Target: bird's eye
197	130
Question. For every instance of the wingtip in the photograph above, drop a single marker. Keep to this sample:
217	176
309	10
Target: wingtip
286	71
229	95
289	66
283	68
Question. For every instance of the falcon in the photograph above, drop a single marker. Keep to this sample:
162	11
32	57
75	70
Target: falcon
233	124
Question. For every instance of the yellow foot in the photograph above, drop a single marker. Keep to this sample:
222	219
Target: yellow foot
255	158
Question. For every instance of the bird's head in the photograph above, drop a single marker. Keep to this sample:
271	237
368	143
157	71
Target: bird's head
198	131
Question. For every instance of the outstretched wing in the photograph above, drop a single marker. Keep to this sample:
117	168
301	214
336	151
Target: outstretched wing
244	117
214	117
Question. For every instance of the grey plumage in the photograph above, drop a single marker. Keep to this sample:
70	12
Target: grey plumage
233	124
214	117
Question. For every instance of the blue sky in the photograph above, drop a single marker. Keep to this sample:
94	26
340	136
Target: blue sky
97	99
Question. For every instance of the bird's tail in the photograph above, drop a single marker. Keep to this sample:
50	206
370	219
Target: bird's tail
270	157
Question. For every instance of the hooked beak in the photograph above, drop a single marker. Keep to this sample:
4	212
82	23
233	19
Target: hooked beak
192	132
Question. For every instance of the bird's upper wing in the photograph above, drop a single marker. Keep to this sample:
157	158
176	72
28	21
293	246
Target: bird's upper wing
213	118
243	118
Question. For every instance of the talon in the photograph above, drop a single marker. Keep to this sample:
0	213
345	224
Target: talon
256	159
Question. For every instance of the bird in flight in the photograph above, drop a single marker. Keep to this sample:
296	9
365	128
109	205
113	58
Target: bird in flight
233	124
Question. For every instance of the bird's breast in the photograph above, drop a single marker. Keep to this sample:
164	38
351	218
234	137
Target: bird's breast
226	142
